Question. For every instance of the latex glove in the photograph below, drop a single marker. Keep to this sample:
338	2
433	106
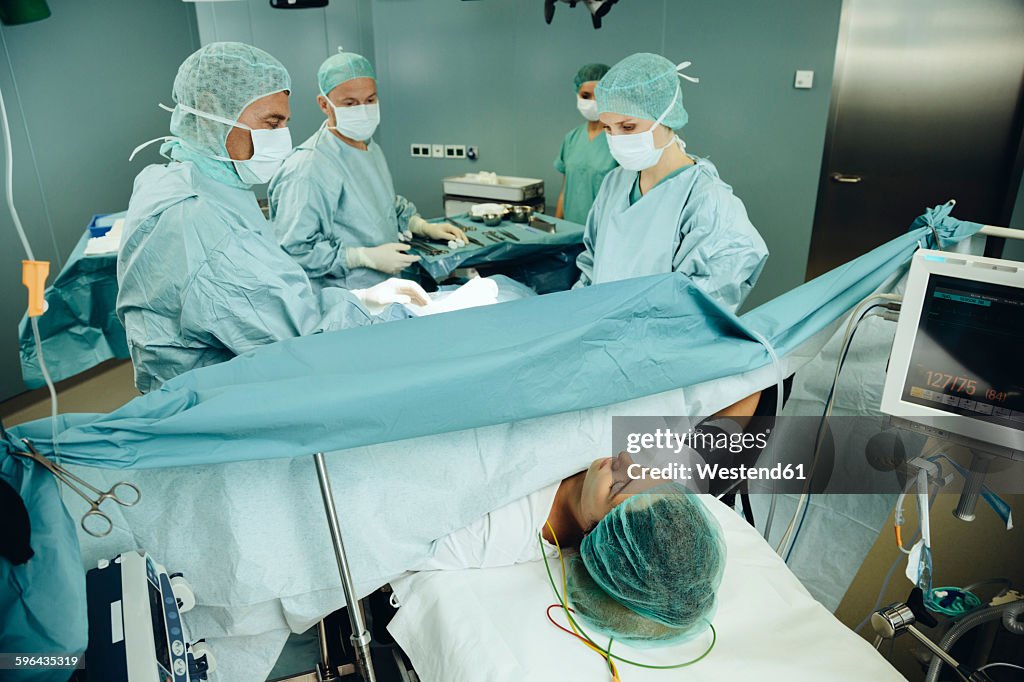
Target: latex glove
393	291
442	232
405	236
390	258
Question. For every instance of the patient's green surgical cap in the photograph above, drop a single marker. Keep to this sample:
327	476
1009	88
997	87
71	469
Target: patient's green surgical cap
643	86
222	79
341	68
648	573
590	72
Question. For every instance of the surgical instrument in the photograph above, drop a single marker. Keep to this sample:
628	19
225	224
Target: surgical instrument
542	225
493	237
70	480
510	235
461	226
466	229
429	249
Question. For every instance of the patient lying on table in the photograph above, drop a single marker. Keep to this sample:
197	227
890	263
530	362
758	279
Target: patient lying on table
646	566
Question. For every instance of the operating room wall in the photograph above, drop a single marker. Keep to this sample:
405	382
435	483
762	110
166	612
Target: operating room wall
81	90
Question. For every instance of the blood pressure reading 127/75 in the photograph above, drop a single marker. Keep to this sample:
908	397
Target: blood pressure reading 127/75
966	353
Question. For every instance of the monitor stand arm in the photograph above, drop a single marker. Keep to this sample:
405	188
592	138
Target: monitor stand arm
980	463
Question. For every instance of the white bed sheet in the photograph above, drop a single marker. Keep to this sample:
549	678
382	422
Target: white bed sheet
490	624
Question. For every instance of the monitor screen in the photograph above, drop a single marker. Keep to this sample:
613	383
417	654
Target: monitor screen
967	357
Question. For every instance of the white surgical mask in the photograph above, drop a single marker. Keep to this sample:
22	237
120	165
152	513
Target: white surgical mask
359	122
637	152
587	107
270	148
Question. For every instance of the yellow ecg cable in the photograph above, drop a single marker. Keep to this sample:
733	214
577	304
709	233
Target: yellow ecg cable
606	655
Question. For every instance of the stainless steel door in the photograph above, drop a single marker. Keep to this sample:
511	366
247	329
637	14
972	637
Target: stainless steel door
926	106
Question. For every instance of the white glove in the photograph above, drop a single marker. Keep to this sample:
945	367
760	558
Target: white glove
390	258
392	291
442	232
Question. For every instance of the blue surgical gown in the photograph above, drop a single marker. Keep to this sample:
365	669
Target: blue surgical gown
690	223
584	162
202	279
329	196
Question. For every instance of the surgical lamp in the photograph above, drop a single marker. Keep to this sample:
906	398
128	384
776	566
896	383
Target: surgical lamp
598	8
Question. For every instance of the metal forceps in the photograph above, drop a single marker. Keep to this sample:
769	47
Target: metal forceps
116	493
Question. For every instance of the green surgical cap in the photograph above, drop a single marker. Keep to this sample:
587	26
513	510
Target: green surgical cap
590	72
341	68
222	79
643	86
648	573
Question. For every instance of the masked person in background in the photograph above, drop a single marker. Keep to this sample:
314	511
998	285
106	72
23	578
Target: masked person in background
664	210
584	158
201	276
333	203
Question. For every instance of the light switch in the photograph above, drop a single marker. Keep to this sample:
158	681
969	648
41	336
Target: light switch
804	80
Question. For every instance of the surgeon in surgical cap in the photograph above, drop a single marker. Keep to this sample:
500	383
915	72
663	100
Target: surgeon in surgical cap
664	210
333	203
201	277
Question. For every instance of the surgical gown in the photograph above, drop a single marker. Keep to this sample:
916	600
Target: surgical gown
584	163
329	196
690	223
504	537
202	279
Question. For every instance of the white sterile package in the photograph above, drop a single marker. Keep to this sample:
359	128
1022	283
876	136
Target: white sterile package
108	243
476	292
480	210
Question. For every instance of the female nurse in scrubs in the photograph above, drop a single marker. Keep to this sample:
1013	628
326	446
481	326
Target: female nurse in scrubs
584	159
663	210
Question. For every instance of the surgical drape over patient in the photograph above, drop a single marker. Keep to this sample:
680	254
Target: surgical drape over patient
643	86
648	572
220	79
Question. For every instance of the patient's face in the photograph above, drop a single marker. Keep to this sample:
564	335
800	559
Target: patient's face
604	488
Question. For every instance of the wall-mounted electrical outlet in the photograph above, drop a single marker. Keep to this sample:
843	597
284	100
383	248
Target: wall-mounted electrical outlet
437	151
421	150
455	151
804	80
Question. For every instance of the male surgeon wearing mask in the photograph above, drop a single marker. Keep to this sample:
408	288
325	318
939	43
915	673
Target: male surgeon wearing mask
201	276
584	158
333	203
664	210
